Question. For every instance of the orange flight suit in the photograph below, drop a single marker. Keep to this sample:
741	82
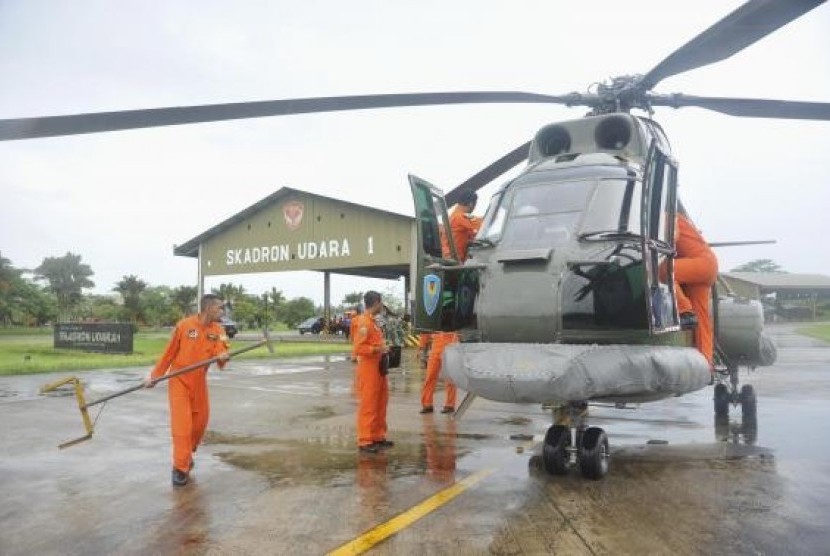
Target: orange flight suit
464	228
373	388
424	340
440	340
695	271
190	343
352	337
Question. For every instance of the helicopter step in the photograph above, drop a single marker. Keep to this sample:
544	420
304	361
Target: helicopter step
569	443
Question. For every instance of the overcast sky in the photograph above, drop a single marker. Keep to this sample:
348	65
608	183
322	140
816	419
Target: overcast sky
122	200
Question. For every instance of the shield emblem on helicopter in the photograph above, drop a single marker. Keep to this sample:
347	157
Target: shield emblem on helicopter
432	293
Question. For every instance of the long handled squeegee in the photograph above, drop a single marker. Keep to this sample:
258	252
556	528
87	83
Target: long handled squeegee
84	406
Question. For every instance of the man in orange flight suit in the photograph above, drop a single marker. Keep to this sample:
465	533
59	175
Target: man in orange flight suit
695	272
424	342
195	338
373	388
464	227
353	331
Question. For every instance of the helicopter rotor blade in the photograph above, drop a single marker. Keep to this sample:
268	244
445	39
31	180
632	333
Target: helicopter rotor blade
742	243
743	27
491	172
51	126
749	107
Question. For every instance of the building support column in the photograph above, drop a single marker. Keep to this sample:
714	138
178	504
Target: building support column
327	295
406	296
200	280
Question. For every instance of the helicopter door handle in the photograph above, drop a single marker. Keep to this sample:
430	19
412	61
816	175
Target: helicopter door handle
468	266
525	255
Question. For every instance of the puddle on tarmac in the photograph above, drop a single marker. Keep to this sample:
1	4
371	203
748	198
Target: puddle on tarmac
267	370
333	460
6	393
475	436
298	462
514	420
213	437
315	413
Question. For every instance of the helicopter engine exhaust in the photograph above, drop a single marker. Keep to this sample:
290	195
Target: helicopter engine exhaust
555	140
613	133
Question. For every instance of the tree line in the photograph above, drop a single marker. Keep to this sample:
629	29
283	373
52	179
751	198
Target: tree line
54	292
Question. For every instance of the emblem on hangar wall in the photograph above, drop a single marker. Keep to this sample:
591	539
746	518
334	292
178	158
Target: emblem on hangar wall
292	211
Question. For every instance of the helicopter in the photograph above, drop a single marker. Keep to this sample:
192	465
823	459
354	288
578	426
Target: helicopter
610	145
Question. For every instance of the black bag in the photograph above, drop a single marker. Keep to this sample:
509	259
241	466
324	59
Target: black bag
383	366
394	357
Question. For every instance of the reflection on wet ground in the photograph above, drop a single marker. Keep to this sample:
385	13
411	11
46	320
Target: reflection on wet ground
279	471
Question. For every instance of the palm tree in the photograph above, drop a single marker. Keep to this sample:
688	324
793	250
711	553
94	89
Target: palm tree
67	277
184	298
131	288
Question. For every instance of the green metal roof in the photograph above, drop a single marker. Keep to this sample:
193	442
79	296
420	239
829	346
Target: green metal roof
782	280
190	248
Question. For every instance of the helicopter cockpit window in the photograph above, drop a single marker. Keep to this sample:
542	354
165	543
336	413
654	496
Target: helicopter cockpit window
545	215
494	219
616	207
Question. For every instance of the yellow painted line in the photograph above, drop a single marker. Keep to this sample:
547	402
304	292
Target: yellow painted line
385	530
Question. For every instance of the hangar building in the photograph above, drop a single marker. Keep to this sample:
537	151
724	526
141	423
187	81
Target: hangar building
296	230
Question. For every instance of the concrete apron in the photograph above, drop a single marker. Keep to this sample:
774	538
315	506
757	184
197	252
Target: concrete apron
279	472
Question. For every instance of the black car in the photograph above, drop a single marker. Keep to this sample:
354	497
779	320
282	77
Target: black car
229	326
312	325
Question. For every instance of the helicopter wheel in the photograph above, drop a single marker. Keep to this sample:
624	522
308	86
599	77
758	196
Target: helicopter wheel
721	400
748	403
555	454
593	453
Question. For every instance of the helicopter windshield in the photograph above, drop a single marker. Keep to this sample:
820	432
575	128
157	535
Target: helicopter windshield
615	211
494	220
545	214
541	213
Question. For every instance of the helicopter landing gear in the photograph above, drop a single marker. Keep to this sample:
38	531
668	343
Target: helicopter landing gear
569	441
729	394
726	395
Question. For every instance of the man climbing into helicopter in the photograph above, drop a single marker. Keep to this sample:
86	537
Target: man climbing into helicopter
695	272
463	227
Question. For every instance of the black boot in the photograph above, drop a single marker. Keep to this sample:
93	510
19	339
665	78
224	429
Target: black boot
688	321
179	478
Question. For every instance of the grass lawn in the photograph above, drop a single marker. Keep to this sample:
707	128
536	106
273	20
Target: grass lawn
820	331
32	352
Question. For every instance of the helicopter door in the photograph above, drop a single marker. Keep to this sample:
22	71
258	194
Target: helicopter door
657	231
439	279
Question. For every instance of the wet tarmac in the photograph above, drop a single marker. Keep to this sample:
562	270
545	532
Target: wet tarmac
279	472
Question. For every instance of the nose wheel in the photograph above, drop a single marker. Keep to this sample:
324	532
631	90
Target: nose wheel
730	395
569	443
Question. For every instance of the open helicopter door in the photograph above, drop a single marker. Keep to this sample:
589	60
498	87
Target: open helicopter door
445	291
657	233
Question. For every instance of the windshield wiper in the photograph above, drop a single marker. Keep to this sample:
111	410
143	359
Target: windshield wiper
482	241
610	235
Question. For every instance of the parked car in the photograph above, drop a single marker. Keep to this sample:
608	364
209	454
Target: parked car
229	326
312	325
